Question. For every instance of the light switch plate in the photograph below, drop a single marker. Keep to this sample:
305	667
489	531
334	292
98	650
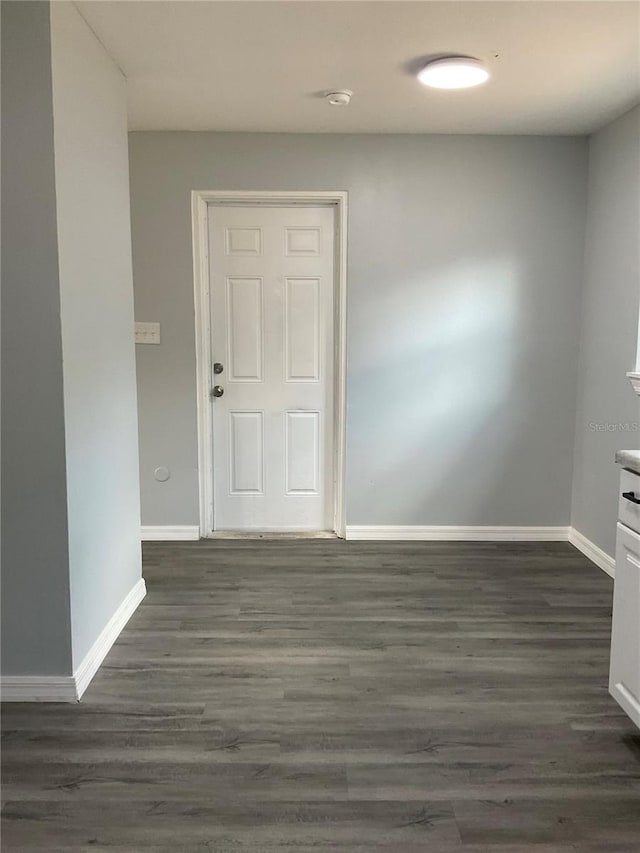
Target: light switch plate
147	333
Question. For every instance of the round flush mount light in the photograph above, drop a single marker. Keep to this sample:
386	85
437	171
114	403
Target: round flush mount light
339	98
453	72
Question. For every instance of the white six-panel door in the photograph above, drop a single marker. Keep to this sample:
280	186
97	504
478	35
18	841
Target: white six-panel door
272	322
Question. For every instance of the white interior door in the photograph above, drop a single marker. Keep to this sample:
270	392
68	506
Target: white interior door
272	322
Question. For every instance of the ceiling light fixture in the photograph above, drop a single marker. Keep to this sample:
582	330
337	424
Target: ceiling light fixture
453	72
339	98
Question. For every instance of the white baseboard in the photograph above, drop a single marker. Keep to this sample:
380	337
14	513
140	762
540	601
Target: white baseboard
170	533
627	701
603	560
398	533
109	634
69	688
38	688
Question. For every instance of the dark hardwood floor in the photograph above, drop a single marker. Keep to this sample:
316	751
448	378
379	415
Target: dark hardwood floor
321	695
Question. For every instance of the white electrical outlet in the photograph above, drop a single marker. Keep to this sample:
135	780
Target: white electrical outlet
147	333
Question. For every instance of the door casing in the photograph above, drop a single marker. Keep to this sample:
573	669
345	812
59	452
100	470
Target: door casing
201	201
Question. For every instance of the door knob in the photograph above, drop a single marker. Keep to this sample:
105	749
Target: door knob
218	391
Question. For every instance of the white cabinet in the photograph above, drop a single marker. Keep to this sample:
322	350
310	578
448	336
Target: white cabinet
629	500
624	673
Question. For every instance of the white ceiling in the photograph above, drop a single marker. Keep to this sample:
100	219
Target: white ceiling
557	67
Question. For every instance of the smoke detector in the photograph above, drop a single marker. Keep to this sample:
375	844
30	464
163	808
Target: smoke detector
339	98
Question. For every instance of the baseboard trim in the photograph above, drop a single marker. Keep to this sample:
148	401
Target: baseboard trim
170	533
38	688
45	688
109	634
603	560
421	533
627	701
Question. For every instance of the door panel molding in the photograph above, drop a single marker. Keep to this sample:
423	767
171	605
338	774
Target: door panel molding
301	346
201	201
302	452
246	452
245	350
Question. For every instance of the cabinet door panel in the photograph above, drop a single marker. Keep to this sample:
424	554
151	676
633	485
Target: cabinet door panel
624	676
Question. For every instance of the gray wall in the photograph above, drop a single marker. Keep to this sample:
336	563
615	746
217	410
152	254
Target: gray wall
609	327
36	637
100	408
465	263
70	497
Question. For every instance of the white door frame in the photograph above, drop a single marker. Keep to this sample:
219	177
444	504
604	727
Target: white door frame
201	200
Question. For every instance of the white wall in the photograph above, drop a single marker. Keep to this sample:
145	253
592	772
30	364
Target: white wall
96	300
609	331
464	277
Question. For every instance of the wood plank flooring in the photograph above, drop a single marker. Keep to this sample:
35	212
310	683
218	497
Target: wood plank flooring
320	695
